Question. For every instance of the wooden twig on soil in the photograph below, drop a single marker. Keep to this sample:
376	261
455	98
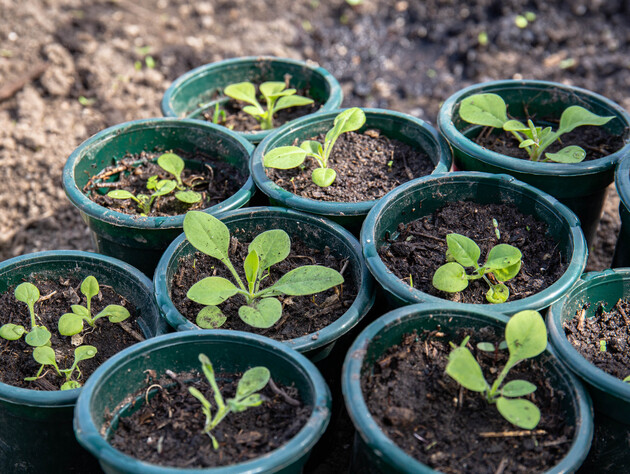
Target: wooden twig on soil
291	401
623	313
9	90
511	434
580	316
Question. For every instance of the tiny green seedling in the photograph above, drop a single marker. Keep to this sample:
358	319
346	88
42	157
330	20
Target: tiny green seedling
261	309
218	116
46	356
72	323
38	335
503	262
490	110
277	97
287	157
526	337
602	345
252	381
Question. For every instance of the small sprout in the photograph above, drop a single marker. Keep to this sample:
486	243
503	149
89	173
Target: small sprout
262	309
252	381
390	163
489	347
85	102
602	345
38	335
482	38
521	21
218	116
46	356
277	97
150	62
495	224
526	337
72	323
490	110
504	263
530	16
286	157
410	281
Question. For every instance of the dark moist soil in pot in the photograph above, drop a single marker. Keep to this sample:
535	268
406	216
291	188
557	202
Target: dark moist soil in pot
57	296
368	166
301	315
169	430
595	141
435	420
613	327
420	249
216	182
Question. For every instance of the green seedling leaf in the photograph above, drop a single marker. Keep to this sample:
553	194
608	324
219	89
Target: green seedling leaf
81	311
115	313
348	121
11	332
207	234
250	266
272	247
89	287
323	177
307	280
515	126
463	367
253	110
121	194
484	109
248	402
253	380
274	88
518	388
450	277
189	197
243	91
576	116
163	187
498	293
173	164
291	101
212	291
519	412
464	250
569	154
526	335
506	274
38	336
210	317
284	157
486	346
44	355
84	353
502	256
27	293
70	324
262	313
70	384
526	143
313	148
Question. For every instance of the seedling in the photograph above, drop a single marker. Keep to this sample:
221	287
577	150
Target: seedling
72	323
46	356
38	335
261	309
490	110
252	381
218	116
526	337
277	96
286	157
171	163
602	345
503	263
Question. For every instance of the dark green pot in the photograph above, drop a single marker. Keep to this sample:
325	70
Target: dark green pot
314	231
421	197
192	93
374	452
123	375
622	184
138	240
410	130
35	426
581	186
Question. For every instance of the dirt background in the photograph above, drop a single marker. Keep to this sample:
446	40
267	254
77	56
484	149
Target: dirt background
403	55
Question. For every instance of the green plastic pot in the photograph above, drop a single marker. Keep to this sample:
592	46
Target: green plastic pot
314	231
421	197
375	452
410	130
36	426
111	386
581	186
621	257
138	240
193	92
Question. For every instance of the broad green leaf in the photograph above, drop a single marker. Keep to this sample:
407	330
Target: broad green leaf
347	121
450	277
323	177
518	388
526	143
272	247
212	291
519	412
254	111
84	353
252	381
207	234
502	256
115	313
11	332
171	163
271	88
291	101
526	335
484	109
486	346
26	293
498	293
163	187
515	126
312	148
189	197
569	154
505	274
250	266
245	403
243	91
284	157
463	367
576	116
464	250
70	324
44	355
263	313
81	311
210	317
120	194
307	280
89	287
38	336
70	384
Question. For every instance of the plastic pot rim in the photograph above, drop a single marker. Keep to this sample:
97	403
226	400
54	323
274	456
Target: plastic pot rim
458	140
119	219
361	304
622	180
568	354
333	208
368	428
392	284
334	100
89	437
59	398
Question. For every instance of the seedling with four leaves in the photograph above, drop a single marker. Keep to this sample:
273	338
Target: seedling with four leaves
252	381
277	96
503	263
526	337
46	356
490	110
38	335
261	309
